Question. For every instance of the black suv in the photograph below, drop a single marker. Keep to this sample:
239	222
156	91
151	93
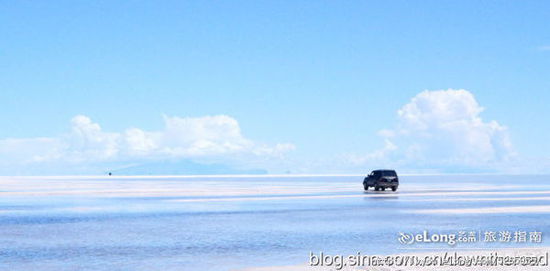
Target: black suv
381	179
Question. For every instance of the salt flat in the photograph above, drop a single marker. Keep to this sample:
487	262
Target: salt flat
240	222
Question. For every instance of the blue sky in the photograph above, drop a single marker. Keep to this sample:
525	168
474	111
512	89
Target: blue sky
323	76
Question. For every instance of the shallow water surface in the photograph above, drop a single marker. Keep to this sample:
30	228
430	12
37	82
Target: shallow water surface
227	223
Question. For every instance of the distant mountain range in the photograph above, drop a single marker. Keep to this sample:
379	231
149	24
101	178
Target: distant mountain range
183	167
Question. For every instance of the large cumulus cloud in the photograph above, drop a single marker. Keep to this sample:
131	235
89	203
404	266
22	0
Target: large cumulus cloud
209	137
442	129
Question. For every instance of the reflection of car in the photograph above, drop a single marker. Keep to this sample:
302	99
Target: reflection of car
381	179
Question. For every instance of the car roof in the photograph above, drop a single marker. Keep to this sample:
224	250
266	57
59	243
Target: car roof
383	170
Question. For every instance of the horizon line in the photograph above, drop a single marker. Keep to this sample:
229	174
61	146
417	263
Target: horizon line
252	175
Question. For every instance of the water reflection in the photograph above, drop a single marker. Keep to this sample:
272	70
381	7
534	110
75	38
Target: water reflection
232	223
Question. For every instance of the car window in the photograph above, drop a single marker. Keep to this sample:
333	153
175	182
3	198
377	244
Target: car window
389	173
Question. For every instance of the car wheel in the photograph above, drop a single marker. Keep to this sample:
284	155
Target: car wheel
366	187
394	188
377	188
383	189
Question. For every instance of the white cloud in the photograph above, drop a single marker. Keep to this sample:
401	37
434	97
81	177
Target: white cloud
88	142
378	155
28	150
140	143
209	137
443	129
